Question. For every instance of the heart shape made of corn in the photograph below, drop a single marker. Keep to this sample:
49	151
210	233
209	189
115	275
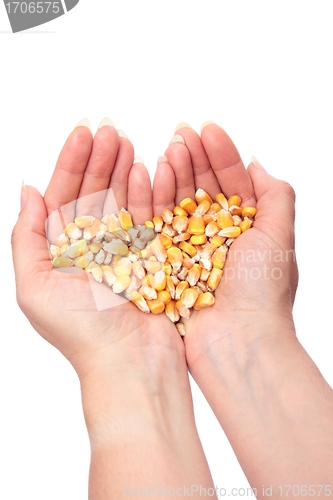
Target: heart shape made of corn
172	264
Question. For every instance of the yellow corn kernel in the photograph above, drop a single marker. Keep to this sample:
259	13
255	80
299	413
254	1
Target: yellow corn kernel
122	282
170	286
207	218
152	266
201	195
204	300
189	249
123	266
222	200
204	274
147	280
125	218
187	262
179	211
166	240
149	224
224	219
181	328
235	210
234	200
139	301
214	279
230	232
60	262
156	306
167	215
146	252
164	295
181	237
219	257
212	229
175	257
203	207
159	280
158	249
196	225
84	221
148	292
158	223
166	266
245	225
193	274
182	285
217	240
180	223
183	310
169	230
198	239
188	205
249	212
214	208
189	297
171	311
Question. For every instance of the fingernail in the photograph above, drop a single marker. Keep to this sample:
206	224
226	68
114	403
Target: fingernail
138	159
257	164
177	138
24	195
162	159
182	125
84	123
206	123
122	133
106	122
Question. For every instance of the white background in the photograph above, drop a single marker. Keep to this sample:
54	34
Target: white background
261	69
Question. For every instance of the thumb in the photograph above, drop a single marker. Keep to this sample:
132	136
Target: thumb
275	204
29	245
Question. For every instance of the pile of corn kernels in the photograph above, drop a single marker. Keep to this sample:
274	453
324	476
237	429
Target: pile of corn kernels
171	264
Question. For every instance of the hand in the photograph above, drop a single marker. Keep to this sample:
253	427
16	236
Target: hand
260	276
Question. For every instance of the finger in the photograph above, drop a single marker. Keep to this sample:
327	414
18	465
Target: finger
119	178
97	175
227	164
67	177
275	205
180	160
29	245
204	176
164	186
140	198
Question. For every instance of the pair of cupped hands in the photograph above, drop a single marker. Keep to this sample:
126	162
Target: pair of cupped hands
61	307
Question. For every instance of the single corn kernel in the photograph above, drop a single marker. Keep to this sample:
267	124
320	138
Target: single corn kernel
193	274
203	207
156	306
139	301
245	225
116	247
121	283
166	240
167	216
181	328
249	212
189	297
170	286
159	280
214	279
95	247
181	237
179	211
182	285
84	221
235	210
224	219
158	249
169	230
72	231
209	217
217	240
108	275
182	274
188	205
189	249
97	274
61	240
230	232
212	229
138	269
123	266
112	223
158	223
207	251
166	266
90	232
148	292
60	262
237	220
152	266
125	218
222	200
198	239
54	251
149	224
201	195
219	257
180	223
100	257
234	200
171	311
204	274
147	280
183	310
83	261
196	225
164	295
204	300
214	208
175	258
